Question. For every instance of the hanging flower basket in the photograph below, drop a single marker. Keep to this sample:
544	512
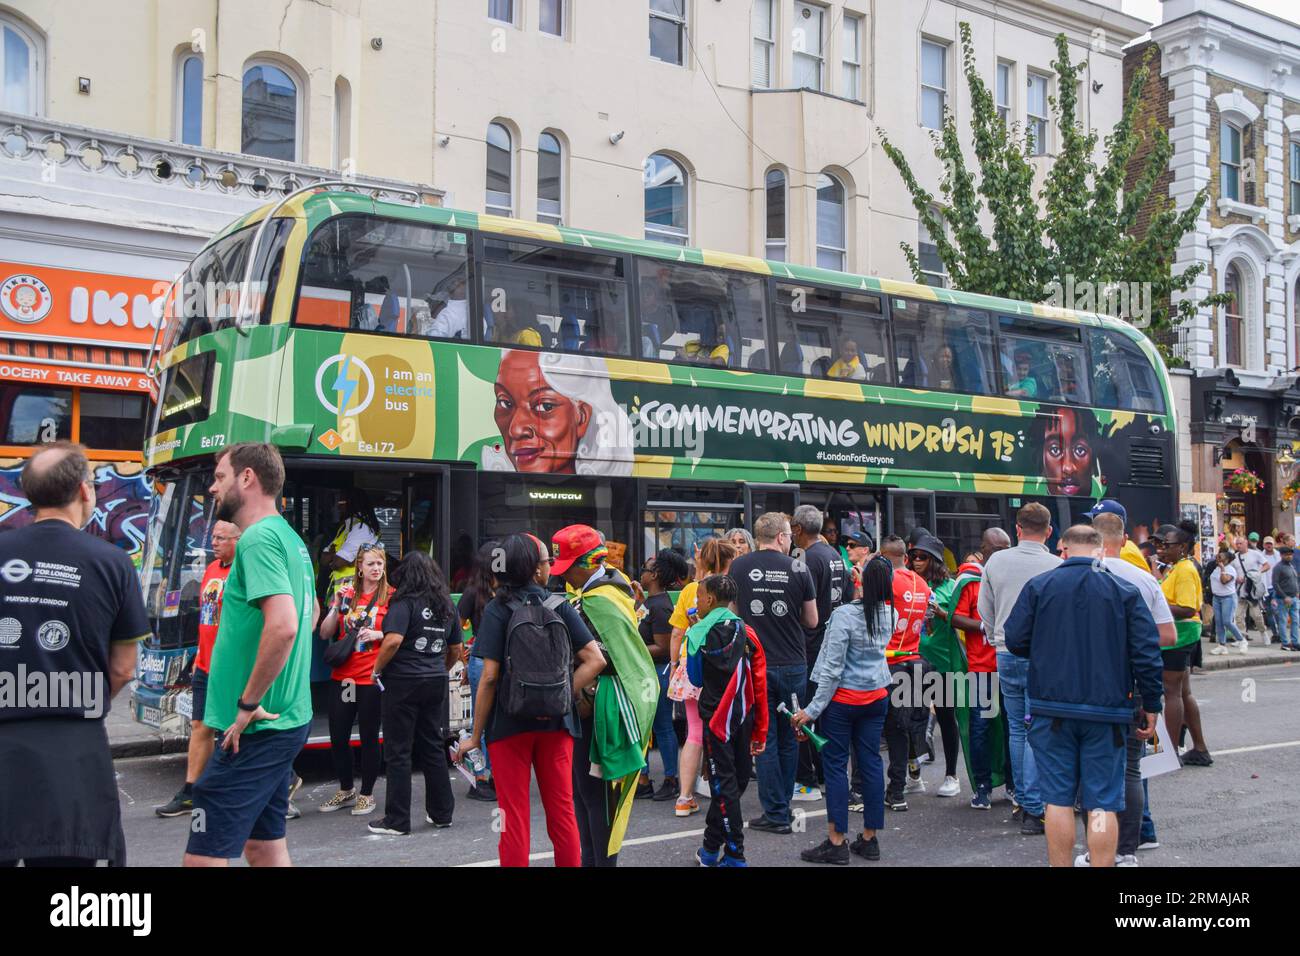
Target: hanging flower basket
1290	492
1245	481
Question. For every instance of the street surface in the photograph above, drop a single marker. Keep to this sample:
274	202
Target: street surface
1239	812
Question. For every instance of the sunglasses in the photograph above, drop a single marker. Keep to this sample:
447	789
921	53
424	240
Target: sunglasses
377	546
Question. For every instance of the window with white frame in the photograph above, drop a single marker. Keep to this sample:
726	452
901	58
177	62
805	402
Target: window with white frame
668	31
774	188
1295	178
500	171
503	10
1229	161
851	57
763	14
667	216
1002	92
550	179
189	99
831	242
934	83
20	67
927	253
552	17
1037	116
808	41
1233	317
272	113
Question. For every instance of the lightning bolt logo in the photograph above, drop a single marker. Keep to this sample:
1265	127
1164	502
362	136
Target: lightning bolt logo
353	382
344	386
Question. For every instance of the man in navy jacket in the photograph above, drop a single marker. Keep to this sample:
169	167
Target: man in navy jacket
1090	639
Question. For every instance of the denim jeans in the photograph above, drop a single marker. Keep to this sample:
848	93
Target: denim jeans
665	734
1013	675
1148	832
779	761
855	729
475	668
1290	618
1273	608
1225	610
980	729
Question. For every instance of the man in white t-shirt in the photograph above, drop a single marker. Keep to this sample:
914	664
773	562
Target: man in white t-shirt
1111	527
1250	564
1225	586
1272	617
452	321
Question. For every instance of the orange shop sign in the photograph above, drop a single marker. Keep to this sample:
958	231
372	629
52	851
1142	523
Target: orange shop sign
66	376
46	303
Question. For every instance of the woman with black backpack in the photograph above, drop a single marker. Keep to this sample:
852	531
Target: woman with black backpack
526	703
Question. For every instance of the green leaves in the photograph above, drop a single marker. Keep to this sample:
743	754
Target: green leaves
995	235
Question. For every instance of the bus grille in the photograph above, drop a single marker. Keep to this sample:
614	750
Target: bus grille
1146	464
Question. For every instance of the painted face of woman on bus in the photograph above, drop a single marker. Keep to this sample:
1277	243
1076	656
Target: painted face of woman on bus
1067	454
540	426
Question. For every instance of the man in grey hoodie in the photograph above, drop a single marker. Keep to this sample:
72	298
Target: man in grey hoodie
1005	575
1286	588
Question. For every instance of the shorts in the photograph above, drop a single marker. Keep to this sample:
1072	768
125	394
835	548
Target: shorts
1079	757
1176	660
198	694
244	796
694	723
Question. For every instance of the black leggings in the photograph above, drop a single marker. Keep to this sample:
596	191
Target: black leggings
363	706
946	718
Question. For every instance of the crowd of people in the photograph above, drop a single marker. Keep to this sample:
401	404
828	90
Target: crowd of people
817	664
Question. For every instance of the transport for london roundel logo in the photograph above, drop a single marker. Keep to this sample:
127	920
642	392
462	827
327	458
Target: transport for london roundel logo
25	298
345	385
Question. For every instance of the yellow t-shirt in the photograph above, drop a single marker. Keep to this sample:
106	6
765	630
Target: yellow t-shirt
1183	586
1133	555
686	599
528	337
850	369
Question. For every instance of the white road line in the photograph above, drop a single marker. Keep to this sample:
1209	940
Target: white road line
637	841
1246	750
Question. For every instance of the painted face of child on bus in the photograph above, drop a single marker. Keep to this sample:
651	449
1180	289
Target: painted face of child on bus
541	427
1067	454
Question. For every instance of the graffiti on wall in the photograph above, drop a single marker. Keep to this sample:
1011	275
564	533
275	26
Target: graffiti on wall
122	497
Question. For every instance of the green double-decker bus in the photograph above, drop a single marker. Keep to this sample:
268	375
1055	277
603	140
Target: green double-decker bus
475	375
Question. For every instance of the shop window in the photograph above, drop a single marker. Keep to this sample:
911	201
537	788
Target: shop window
35	416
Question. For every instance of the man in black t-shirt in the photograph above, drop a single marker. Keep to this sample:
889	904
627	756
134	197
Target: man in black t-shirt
71	618
777	600
831	583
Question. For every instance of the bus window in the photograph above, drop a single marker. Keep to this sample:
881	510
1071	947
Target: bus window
702	316
944	347
378	275
1123	374
35	416
1044	362
831	334
563	300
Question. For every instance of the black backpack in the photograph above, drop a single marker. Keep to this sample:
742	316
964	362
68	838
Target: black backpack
538	680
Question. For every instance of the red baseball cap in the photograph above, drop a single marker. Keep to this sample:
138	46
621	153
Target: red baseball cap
571	543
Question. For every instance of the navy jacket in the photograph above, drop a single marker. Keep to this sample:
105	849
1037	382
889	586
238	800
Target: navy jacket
1089	638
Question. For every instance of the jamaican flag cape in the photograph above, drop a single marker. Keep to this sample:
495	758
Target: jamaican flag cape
627	695
945	648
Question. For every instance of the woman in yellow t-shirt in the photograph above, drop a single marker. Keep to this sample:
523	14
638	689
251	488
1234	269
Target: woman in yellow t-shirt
1182	588
712	557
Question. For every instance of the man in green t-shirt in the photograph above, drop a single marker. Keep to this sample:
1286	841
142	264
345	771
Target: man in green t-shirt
259	695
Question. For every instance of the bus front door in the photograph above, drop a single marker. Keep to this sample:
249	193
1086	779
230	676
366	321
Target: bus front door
760	498
910	509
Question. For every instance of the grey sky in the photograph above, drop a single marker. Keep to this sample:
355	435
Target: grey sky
1149	10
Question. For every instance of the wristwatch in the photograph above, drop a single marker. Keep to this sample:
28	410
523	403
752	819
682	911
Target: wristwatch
250	708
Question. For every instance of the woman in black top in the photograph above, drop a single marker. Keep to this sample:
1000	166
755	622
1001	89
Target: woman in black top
421	644
521	747
667	571
479	588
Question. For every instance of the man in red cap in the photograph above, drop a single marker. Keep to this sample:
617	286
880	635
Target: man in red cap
616	715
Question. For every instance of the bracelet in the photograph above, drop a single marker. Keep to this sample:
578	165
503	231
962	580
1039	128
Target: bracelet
249	708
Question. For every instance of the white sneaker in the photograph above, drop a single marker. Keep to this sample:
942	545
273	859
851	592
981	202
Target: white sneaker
1218	649
1083	859
1127	859
1244	647
806	793
1149	845
950	787
914	785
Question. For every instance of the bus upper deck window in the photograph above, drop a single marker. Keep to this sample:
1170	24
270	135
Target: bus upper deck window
943	347
829	333
701	316
1124	377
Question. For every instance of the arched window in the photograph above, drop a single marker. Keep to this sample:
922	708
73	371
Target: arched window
500	171
1233	317
189	99
775	197
20	66
667	216
831	246
550	180
343	125
272	114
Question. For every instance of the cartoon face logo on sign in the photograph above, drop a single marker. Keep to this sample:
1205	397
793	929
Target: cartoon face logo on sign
25	298
350	382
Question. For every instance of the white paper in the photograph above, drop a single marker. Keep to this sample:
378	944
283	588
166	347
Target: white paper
1163	752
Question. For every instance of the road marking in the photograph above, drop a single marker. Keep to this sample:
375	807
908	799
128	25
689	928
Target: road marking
1246	750
638	841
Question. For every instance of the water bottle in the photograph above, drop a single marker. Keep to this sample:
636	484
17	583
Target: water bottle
474	757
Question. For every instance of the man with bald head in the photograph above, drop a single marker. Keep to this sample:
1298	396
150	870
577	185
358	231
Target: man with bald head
70	619
993	541
225	534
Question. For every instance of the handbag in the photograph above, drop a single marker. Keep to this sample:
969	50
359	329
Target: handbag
337	652
680	687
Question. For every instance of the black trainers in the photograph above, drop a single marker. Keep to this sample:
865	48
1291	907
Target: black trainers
483	790
645	790
827	852
1197	758
764	825
1031	825
668	790
382	827
431	820
896	801
179	806
867	849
